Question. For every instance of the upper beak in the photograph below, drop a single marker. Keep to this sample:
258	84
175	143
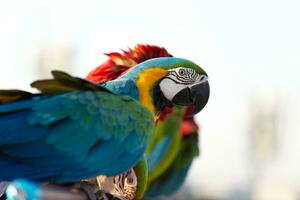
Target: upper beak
195	96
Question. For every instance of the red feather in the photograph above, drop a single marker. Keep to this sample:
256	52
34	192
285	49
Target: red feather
119	63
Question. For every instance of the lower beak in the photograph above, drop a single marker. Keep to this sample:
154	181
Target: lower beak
200	93
196	97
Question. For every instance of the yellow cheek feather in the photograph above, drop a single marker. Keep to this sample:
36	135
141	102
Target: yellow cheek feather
145	83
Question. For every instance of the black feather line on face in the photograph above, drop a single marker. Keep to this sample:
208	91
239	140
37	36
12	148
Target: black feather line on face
160	101
184	76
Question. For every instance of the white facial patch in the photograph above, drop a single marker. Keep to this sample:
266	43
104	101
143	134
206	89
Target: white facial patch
169	88
179	79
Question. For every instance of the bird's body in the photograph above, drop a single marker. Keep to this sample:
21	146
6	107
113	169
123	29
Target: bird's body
75	129
169	173
165	144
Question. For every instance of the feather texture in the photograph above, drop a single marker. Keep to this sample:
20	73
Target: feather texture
174	176
73	130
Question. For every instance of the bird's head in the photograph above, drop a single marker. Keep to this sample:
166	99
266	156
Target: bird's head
164	82
123	186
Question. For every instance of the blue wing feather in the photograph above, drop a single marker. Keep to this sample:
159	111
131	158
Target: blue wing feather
12	123
126	162
155	156
72	136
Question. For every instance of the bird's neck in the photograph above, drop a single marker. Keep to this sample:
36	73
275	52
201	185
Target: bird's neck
145	84
140	88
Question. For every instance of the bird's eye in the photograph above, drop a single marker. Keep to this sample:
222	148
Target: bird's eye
181	72
203	78
129	180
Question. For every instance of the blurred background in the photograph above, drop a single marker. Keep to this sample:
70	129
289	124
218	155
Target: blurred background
250	139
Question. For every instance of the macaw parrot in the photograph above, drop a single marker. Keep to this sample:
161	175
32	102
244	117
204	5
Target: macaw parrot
169	153
74	129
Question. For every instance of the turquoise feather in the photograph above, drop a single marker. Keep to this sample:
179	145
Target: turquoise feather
71	136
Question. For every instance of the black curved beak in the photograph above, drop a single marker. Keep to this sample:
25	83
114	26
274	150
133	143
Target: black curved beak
196	96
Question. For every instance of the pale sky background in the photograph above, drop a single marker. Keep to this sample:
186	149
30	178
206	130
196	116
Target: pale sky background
250	50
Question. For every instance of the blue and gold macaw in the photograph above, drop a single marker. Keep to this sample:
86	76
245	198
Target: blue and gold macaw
74	129
175	142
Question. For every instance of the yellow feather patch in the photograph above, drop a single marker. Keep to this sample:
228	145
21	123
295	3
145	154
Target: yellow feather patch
145	83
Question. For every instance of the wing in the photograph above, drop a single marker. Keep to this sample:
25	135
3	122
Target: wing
72	130
165	143
173	178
